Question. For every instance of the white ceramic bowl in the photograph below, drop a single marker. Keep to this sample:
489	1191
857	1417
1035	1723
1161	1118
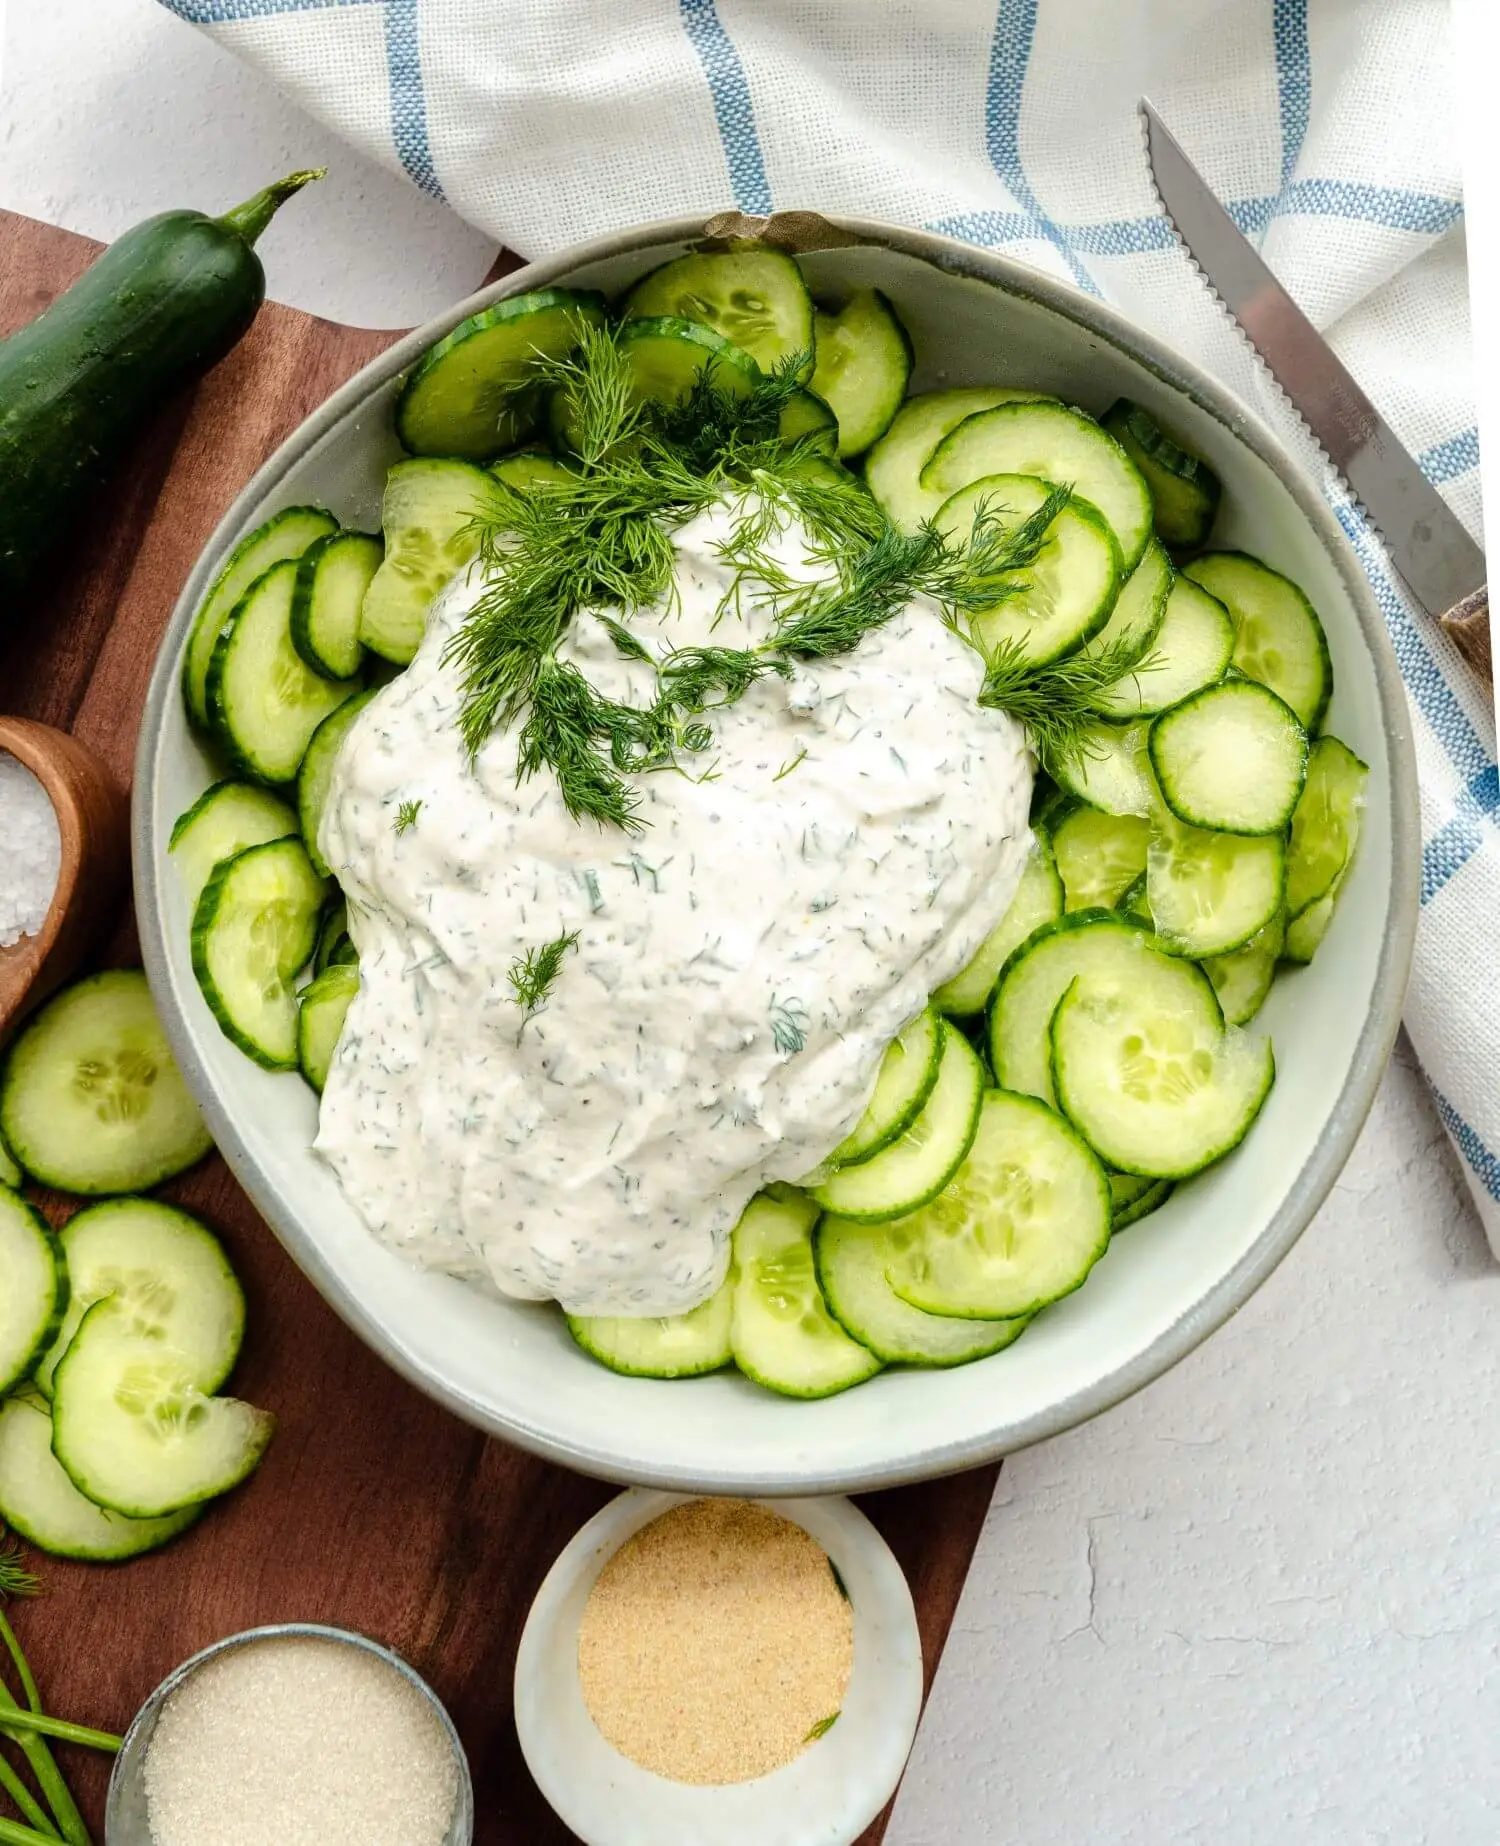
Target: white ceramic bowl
827	1796
511	1368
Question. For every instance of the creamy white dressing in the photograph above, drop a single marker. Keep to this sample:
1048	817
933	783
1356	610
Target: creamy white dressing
741	966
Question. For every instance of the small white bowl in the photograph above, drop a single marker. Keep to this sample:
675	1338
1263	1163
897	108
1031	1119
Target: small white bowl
827	1796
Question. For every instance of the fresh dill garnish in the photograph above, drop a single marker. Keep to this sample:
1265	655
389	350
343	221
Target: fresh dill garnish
787	767
406	816
531	975
15	1579
821	1728
789	1023
1057	702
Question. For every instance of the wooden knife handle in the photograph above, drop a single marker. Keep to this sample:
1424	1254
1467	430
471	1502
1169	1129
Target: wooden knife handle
1468	624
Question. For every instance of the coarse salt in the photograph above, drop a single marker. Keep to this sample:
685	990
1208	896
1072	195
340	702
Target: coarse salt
299	1742
30	852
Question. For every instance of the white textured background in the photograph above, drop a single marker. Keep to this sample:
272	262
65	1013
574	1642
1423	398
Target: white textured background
1259	1605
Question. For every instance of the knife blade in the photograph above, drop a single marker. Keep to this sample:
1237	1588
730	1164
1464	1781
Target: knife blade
1428	545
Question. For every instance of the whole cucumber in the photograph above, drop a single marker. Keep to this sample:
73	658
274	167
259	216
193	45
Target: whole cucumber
160	306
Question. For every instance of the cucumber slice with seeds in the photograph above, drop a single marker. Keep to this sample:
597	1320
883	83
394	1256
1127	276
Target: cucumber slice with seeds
427	516
915	1167
35	1295
264	703
905	1080
223	821
1111	770
894	466
169	1276
661	1346
1024	1221
1054	443
135	1434
1243	978
255	927
854	1264
780	1329
285	535
1210	893
1184	489
862	360
332	577
750	295
1106	950
1038	900
1232	758
1061	598
40	1503
1325	823
90	1098
1151	1077
1191	651
1099	856
322	1008
1140	609
1278	638
315	777
472	394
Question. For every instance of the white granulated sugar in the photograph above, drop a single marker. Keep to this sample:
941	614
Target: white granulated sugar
30	852
299	1742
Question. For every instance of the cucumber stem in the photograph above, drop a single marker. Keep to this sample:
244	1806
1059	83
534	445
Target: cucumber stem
251	218
16	1724
30	1807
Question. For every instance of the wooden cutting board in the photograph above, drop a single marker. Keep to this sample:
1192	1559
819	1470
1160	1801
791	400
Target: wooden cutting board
375	1509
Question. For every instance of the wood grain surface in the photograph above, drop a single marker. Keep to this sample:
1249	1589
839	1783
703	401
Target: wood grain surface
375	1509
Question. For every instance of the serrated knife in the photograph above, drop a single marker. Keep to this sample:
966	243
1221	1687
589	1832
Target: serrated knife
1436	558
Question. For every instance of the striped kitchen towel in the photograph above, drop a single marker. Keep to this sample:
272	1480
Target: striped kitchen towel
1324	123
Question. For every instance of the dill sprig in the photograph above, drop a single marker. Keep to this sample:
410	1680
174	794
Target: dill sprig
15	1579
1058	702
531	975
406	816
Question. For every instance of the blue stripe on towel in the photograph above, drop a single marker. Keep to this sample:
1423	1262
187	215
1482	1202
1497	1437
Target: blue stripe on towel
1484	1163
733	110
1293	81
1446	461
1452	847
224	12
403	57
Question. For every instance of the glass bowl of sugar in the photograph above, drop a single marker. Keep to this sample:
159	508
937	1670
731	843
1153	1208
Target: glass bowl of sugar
308	1735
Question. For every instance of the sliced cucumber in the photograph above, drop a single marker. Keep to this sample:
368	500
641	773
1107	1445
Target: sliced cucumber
264	702
1184	489
169	1276
1023	1222
334	943
916	1167
1054	443
1153	1080
224	820
1038	900
854	1264
322	1007
90	1097
1243	978
1325	823
473	394
1304	934
40	1503
35	1295
1153	1195
780	1329
665	358
1052	606
531	468
905	1080
1111	770
10	1171
285	535
1139	611
1191	651
332	577
255	927
805	417
1099	856
1231	758
315	776
1210	893
862	360
1105	950
750	295
894	466
133	1431
662	1346
1278	638
427	516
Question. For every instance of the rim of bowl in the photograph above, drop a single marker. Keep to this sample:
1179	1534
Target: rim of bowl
1308	1188
136	1744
